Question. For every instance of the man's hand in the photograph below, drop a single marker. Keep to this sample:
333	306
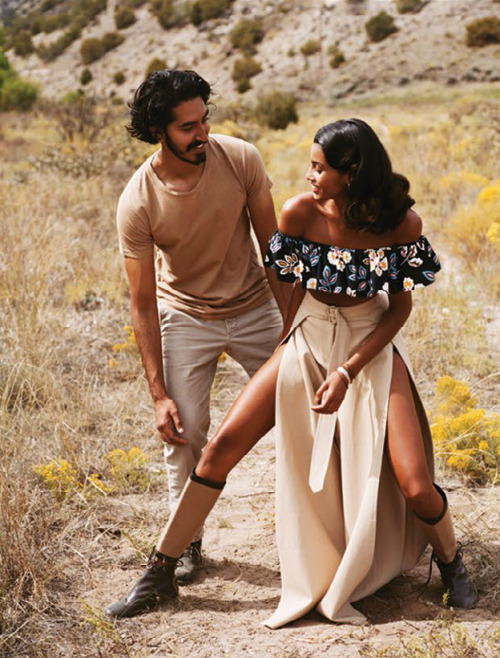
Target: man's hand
168	422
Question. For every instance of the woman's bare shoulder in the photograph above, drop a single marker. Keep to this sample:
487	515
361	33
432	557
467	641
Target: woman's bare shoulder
410	228
295	213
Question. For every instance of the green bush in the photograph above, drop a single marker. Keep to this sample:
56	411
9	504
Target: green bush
380	26
22	44
17	94
310	47
91	50
4	62
337	57
112	40
483	31
49	24
124	17
119	78
86	77
156	64
408	6
204	10
276	110
243	70
246	34
168	13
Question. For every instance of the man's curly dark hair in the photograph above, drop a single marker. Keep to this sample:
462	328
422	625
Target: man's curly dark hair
154	100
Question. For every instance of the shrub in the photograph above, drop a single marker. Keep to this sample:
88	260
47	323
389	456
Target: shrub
124	17
204	10
112	40
167	13
276	110
156	64
310	47
119	78
86	77
483	31
91	50
337	57
17	94
22	44
466	437
380	26
4	62
243	70
246	34
407	6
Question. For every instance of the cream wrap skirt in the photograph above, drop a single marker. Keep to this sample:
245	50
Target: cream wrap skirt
343	527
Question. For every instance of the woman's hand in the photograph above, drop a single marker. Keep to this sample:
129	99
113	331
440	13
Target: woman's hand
330	394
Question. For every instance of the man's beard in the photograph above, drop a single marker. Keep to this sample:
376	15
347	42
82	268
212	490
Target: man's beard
200	157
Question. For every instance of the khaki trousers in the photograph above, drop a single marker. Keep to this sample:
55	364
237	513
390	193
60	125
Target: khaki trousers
191	347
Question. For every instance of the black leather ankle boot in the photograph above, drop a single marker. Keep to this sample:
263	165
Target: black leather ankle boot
156	585
456	581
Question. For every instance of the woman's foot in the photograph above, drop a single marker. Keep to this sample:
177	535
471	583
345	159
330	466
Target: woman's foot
460	592
156	585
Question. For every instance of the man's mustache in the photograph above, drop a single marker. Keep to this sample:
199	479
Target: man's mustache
194	144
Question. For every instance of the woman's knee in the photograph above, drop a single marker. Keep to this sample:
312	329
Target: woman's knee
417	490
217	458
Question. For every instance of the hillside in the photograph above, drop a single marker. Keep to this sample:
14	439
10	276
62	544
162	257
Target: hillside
427	46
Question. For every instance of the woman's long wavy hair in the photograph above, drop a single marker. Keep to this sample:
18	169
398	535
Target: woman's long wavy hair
378	198
154	100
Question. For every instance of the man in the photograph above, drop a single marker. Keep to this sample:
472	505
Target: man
196	286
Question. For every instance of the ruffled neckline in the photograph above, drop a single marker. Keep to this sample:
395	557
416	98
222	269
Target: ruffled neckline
356	272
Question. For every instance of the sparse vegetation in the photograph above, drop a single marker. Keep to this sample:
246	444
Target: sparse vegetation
81	15
124	17
156	64
93	49
310	47
246	34
276	110
380	26
23	43
407	6
15	93
337	57
243	70
169	13
86	77
483	31
119	78
204	10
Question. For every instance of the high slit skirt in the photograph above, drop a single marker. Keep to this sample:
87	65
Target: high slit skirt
343	527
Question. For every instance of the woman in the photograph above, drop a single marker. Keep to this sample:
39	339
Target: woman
355	500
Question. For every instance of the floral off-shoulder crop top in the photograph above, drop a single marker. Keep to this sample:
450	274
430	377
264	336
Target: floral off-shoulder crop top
354	272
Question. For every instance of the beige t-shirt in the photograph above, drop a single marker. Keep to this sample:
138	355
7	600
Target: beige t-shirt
206	263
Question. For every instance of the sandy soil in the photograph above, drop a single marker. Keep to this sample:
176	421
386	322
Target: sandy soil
221	613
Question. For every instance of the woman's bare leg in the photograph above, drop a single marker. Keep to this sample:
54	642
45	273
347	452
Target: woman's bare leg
405	447
250	417
405	450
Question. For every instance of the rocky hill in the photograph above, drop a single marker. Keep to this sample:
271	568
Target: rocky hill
300	41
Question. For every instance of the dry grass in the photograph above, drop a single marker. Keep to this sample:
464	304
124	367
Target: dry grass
65	394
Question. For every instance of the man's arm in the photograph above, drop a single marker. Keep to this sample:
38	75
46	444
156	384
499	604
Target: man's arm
144	314
263	218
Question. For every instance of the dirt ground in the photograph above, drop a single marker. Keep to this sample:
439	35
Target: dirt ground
221	612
